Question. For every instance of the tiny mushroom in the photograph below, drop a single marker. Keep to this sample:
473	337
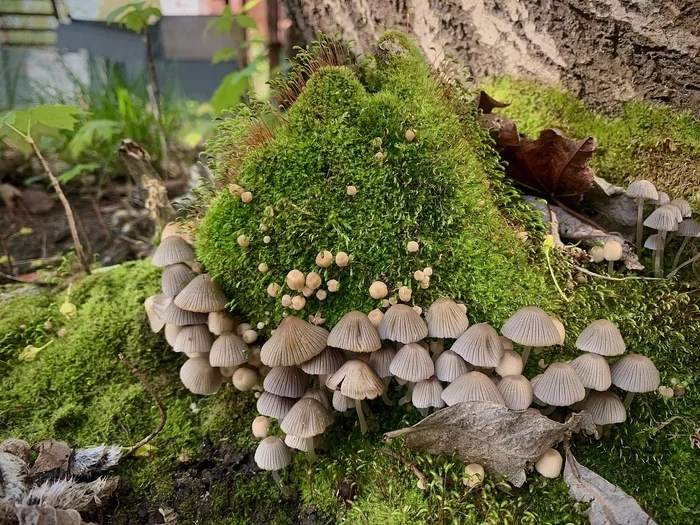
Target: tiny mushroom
235	190
682	206
342	259
246	197
446	320
635	373
324	259
449	366
155	307
356	380
688	229
605	408
402	324
531	327
273	455
597	254
412	363
559	386
326	363
306	419
313	280
412	247
378	290
479	346
473	475
298	302
199	377
173	250
510	364
296	280
355	333
228	350
244	379
243	240
260	427
593	371
273	406
472	386
612	251
641	190
655	243
175	278
661	200
664	219
293	342
220	322
405	294
601	337
380	361
333	286
549	464
516	391
286	381
194	339
427	394
351	190
273	289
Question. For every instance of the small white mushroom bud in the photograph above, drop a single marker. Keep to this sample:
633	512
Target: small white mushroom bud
273	289
418	275
426	279
321	295
597	254
267	239
385	303
260	427
351	190
235	190
333	285
378	290
264	227
296	280
298	302
286	300
379	156
242	328
462	307
244	379
250	336
269	211
243	240
405	293
418	309
392	301
549	464
410	135
254	357
324	259
375	317
412	246
262	267
260	325
612	250
428	271
308	292
474	475
342	259
313	280
197	267
246	196
424	285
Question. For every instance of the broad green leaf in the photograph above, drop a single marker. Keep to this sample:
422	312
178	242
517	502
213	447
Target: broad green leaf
145	451
90	133
249	5
7	119
69	310
77	170
246	21
58	116
223	55
230	91
112	16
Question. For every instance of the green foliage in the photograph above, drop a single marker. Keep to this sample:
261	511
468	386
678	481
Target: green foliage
436	190
135	16
91	132
76	171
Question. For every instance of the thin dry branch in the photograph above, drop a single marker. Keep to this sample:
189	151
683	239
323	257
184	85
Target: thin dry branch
156	398
608	278
403	460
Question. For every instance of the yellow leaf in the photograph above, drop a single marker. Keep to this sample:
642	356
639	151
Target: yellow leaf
29	353
548	243
145	451
69	310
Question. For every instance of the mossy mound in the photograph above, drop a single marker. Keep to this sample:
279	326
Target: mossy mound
345	129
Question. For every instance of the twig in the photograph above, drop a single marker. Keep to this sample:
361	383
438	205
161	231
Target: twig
686	263
156	398
607	277
100	219
6	249
403	460
66	206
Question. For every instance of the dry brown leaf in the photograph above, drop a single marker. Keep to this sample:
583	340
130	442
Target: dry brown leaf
52	455
486	104
609	503
45	515
505	441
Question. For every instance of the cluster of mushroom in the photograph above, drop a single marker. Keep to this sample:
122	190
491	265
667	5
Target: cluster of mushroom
668	216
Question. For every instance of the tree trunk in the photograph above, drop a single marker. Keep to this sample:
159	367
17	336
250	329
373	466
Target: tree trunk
606	51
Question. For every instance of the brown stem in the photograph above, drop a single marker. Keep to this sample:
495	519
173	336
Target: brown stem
156	95
156	398
66	206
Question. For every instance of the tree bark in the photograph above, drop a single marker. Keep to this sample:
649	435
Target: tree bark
606	51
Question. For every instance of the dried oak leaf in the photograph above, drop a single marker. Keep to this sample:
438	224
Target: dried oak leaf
609	503
52	455
505	441
486	104
553	165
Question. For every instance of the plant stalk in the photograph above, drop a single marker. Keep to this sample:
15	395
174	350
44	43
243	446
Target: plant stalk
678	255
310	449
276	477
156	96
439	346
361	416
628	400
640	225
526	354
385	397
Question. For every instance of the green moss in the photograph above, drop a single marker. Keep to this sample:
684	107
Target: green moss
647	140
437	190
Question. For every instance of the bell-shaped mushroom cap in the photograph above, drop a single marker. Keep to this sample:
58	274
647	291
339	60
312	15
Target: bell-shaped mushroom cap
560	328
479	346
516	391
535	399
511	364
593	371
531	326
380	361
605	408
664	218
549	464
682	206
449	366
298	443
175	278
201	295
428	393
472	386
356	333
294	342
559	386
220	322
155	307
357	380
272	454
179	317
601	337
194	339
199	377
446	319
271	405
635	373
342	403
654	242
401	323
306	419
318	395
286	381
506	343
228	350
412	363
612	250
663	199
171	333
327	362
688	228
173	250
642	189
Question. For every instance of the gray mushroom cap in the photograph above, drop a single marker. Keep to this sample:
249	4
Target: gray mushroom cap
194	339
401	323
199	377
593	371
480	345
272	454
605	408
428	393
202	294
654	242
635	373
662	199
682	206
516	391
380	361
559	386
307	418
228	350
357	380
327	362
531	326
688	228
270	405
342	403
642	189
449	366
412	363
446	319
175	278
286	381
177	316
601	337
355	333
155	307
294	342
472	386
664	218
173	250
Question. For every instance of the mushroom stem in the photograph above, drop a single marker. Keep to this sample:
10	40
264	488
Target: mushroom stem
600	429
526	354
657	263
361	416
640	225
276	477
385	397
439	346
310	449
322	382
611	265
409	394
424	411
548	410
661	255
678	255
628	400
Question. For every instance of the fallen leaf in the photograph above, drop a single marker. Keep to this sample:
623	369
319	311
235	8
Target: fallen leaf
486	104
69	310
145	451
52	455
44	514
505	441
609	503
29	353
